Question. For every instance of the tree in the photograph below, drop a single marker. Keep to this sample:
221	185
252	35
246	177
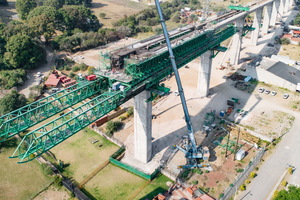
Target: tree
24	7
102	15
79	17
123	31
17	27
22	52
292	193
45	20
54	3
297	20
11	102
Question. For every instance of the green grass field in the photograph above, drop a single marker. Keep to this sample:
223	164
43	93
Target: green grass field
158	185
81	155
19	181
114	183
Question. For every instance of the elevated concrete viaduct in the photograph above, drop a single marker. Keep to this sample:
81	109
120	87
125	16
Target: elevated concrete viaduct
273	10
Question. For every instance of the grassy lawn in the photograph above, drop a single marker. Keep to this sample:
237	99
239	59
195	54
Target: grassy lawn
19	181
293	51
157	186
81	155
113	183
115	9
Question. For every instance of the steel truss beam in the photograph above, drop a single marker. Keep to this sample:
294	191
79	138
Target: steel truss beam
27	116
46	137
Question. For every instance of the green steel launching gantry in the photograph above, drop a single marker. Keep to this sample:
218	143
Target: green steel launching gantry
144	75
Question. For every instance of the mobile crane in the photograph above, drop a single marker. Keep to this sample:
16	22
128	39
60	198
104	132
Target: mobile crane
192	152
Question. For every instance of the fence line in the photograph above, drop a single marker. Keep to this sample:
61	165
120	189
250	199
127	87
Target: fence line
229	192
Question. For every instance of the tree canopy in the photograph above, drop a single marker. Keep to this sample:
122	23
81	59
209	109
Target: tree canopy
24	7
293	193
22	52
11	102
79	17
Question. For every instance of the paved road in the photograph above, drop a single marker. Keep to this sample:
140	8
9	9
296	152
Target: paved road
287	152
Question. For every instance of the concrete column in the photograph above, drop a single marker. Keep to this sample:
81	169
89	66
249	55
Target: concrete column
275	9
204	73
142	127
291	3
286	6
266	20
256	25
281	8
237	42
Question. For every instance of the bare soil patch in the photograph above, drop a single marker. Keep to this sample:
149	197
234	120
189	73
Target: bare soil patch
290	50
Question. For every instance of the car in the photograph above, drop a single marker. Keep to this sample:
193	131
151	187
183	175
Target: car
285	96
273	93
267	91
261	90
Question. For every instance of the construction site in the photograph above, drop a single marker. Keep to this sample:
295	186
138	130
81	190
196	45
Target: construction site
205	127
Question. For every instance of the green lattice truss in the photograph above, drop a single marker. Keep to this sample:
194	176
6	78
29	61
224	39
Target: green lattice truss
27	116
145	75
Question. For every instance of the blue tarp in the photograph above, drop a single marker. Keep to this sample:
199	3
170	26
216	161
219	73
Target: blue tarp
248	78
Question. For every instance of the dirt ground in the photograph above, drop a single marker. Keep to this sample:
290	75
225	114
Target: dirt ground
53	194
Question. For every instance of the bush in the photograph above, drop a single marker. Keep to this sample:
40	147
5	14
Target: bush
113	126
285	41
252	175
290	170
243	187
122	118
57	181
72	75
130	111
90	70
76	68
284	183
67	67
102	15
83	67
198	171
247	181
47	169
221	195
239	170
195	182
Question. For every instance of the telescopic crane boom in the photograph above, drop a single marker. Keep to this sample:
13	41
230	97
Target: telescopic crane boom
192	152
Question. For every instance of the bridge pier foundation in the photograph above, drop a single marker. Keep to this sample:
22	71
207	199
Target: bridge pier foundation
237	42
256	25
275	9
266	20
142	127
204	73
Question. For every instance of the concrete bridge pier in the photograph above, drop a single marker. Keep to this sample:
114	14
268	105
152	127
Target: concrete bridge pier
142	127
256	25
281	8
286	6
275	10
266	19
237	42
291	3
204	73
